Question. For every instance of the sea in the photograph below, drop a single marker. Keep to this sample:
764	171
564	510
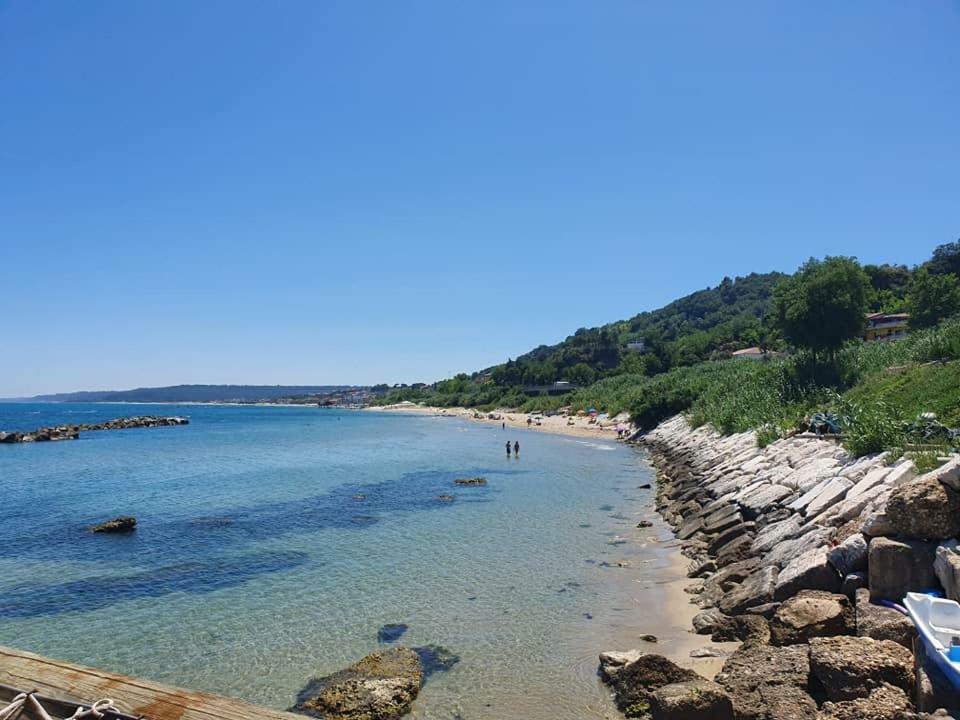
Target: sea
277	544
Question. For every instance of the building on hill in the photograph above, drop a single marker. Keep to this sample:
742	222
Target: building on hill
885	327
637	346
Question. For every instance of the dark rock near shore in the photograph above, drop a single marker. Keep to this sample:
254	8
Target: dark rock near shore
381	686
852	667
123	524
435	658
634	683
925	510
809	614
691	700
756	589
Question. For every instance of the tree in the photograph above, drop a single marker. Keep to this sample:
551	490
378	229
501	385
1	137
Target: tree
946	259
932	298
823	305
581	374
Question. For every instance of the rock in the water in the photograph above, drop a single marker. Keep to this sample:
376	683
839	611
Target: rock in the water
883	623
811	613
391	632
883	703
691	700
769	683
123	524
634	684
897	567
925	509
470	481
852	667
613	661
381	686
435	658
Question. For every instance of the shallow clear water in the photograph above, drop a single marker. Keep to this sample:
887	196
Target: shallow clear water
273	543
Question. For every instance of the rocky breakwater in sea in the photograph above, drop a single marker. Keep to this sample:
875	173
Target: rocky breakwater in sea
794	549
72	432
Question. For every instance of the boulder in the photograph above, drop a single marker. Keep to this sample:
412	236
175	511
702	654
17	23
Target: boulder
634	684
707	621
775	533
830	494
885	702
876	524
746	628
925	509
756	589
785	552
883	623
899	566
378	687
122	524
470	481
736	550
850	555
852	667
811	613
810	571
613	661
946	566
768	683
948	474
691	700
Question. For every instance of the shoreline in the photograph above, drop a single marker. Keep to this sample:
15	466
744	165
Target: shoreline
605	430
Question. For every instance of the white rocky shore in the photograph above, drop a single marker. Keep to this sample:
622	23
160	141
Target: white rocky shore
793	549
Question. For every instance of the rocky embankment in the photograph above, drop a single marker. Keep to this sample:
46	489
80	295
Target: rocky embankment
72	432
797	550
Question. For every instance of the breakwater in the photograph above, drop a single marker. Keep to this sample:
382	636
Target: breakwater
794	549
72	432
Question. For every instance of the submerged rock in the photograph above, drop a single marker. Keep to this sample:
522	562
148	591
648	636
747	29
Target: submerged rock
381	686
122	524
391	632
435	658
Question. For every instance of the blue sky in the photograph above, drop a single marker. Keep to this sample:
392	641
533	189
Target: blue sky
330	192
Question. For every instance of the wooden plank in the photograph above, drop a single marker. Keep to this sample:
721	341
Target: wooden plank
155	701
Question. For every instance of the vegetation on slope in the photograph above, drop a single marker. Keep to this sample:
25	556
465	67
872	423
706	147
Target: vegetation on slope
875	390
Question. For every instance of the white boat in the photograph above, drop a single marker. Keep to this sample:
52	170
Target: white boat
938	624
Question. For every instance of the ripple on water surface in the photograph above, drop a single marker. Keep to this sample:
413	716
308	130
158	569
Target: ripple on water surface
276	545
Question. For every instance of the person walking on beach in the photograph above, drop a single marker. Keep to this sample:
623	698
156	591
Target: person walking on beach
516	448
503	426
508	448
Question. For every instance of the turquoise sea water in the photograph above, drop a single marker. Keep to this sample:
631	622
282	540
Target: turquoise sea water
273	543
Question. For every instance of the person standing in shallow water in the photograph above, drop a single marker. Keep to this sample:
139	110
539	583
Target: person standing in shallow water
508	448
516	448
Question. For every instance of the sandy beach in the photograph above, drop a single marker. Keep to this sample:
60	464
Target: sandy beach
605	429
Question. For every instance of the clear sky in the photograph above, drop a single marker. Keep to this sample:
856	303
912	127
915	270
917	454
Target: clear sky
238	191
